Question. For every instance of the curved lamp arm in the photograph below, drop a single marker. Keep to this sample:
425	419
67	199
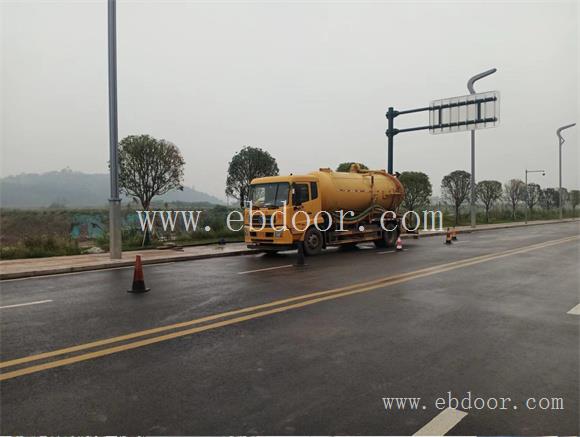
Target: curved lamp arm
471	81
562	128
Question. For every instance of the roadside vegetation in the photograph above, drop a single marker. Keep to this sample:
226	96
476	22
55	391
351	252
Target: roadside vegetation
150	168
55	232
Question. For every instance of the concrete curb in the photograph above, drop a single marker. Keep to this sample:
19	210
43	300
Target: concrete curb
128	263
119	264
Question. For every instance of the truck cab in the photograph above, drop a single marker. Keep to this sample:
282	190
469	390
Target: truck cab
273	203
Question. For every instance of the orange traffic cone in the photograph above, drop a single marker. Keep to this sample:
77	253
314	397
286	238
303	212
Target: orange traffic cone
399	244
448	237
138	279
454	234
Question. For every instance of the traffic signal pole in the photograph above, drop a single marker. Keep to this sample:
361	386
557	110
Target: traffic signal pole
390	138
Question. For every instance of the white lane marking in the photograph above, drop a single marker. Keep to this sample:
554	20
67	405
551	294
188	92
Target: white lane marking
443	422
390	251
25	304
265	269
575	311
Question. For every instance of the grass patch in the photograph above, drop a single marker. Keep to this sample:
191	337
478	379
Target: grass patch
39	247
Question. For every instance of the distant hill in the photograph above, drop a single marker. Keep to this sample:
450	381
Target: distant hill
74	189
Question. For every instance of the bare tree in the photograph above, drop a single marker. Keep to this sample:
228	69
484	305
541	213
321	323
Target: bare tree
455	188
488	192
549	198
532	197
574	200
565	197
514	193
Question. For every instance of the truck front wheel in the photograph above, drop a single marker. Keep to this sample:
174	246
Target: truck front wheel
313	241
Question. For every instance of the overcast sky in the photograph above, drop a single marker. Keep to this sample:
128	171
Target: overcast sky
309	82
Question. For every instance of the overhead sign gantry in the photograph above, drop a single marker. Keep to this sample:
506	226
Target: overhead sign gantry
454	114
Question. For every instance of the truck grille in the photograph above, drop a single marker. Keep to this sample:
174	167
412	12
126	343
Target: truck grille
258	220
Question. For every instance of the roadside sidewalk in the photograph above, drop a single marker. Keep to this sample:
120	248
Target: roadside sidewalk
25	268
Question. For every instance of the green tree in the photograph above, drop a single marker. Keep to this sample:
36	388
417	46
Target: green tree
514	193
418	189
149	167
574	200
488	192
345	166
455	187
246	165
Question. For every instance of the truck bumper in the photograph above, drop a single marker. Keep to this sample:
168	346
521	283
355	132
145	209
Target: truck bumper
269	247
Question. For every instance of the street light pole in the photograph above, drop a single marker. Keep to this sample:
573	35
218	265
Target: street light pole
527	192
114	200
470	83
561	142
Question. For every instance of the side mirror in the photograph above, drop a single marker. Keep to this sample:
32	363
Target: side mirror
294	197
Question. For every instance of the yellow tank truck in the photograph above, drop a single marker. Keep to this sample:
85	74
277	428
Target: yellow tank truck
323	208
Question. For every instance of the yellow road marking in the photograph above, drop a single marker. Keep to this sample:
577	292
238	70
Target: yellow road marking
144	333
138	334
316	297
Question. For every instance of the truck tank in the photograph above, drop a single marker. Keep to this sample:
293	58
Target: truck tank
358	189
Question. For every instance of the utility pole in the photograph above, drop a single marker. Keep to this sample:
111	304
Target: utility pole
114	200
561	142
470	83
527	192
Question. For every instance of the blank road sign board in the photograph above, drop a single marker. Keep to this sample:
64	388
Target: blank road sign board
463	113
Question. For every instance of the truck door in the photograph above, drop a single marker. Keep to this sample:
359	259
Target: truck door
303	204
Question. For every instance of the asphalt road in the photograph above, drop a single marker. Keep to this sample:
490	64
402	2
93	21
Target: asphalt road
255	345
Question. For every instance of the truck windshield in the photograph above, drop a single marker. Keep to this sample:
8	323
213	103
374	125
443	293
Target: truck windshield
269	195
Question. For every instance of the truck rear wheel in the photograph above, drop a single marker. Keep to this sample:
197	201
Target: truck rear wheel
313	241
388	239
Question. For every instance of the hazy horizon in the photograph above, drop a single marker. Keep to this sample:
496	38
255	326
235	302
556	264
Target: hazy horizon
309	82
